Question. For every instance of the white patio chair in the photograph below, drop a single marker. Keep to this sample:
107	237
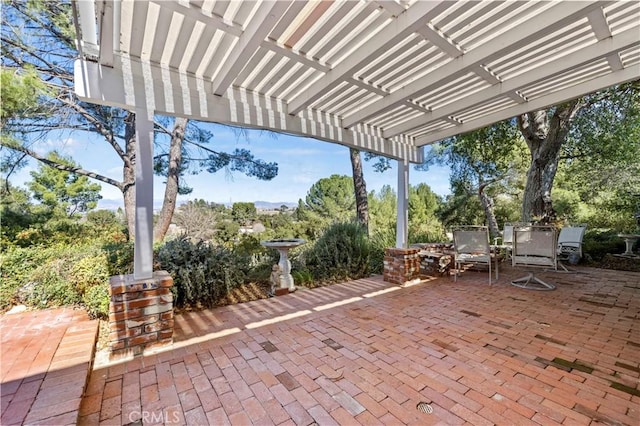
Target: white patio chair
507	237
471	245
534	246
570	244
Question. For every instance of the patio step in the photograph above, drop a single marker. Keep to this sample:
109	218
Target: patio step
46	359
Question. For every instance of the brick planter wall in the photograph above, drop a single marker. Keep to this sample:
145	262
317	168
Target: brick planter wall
401	265
140	313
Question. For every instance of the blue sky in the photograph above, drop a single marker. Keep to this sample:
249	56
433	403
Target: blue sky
302	162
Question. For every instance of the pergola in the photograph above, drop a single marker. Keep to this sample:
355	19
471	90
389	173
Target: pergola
388	76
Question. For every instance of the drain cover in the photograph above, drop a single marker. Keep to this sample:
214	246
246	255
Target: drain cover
424	407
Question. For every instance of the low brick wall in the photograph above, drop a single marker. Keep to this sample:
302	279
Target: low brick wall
401	265
140	313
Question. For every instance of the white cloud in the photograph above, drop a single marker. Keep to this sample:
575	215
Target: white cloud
65	145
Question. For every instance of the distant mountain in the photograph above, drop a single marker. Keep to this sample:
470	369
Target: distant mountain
110	204
267	205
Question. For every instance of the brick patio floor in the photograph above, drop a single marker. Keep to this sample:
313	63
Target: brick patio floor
45	361
367	352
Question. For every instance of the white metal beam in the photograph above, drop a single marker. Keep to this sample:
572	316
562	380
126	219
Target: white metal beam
550	20
601	49
619	77
387	38
261	24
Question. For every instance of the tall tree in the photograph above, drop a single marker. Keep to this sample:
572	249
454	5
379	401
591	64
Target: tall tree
38	37
360	188
423	222
544	131
383	206
478	160
244	213
198	219
62	192
328	200
599	130
19	93
16	212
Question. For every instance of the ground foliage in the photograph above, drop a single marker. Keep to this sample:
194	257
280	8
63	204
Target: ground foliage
49	259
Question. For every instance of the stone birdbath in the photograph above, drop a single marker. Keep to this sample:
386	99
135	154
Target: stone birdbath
629	240
283	246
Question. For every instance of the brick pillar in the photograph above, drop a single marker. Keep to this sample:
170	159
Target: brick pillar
401	265
140	313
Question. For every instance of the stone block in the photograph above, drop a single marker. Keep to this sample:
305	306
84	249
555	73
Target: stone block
282	291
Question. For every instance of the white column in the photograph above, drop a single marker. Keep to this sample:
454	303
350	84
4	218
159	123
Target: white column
143	243
403	204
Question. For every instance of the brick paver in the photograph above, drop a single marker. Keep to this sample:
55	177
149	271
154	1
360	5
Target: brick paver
367	352
46	358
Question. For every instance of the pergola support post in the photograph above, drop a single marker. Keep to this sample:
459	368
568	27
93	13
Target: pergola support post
403	204
402	264
141	304
143	241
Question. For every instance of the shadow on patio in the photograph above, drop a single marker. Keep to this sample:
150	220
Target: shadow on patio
369	352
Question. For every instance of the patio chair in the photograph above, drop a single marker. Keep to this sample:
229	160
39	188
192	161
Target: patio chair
471	245
507	237
534	246
570	244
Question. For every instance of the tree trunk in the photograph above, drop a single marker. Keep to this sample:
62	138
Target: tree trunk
544	133
487	205
360	187
129	174
173	178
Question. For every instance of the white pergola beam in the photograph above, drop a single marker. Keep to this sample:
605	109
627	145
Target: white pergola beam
105	17
304	60
599	24
260	26
391	35
178	94
437	39
87	22
601	49
554	18
200	15
619	77
390	7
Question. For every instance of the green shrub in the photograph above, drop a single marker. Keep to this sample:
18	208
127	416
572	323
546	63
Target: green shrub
17	266
61	274
302	278
380	241
202	273
96	300
89	271
597	243
119	258
342	252
14	270
49	288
